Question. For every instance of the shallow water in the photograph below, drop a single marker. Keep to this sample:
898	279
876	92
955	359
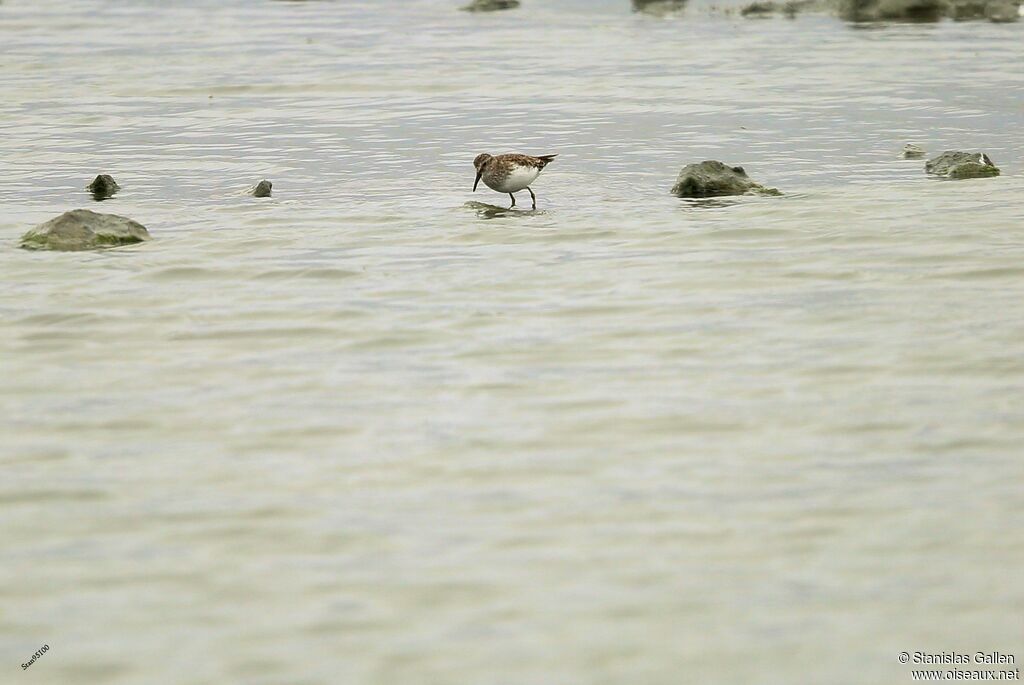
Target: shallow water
365	432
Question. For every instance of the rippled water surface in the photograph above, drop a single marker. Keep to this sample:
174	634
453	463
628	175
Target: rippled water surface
365	432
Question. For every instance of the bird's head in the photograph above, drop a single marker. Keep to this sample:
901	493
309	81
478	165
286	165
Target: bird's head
480	162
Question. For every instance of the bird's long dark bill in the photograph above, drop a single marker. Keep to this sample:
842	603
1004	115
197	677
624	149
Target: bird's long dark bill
477	181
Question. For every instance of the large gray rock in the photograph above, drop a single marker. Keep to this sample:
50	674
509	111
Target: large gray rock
490	5
102	187
81	229
713	179
958	164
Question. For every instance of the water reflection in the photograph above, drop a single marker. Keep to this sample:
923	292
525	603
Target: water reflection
488	211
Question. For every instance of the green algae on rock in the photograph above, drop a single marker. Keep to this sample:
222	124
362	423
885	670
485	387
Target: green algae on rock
82	229
714	179
973	170
959	164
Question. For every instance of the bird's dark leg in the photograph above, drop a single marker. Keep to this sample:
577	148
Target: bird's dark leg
533	197
513	200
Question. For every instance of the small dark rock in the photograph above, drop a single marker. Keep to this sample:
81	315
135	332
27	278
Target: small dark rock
790	9
262	189
82	229
658	6
911	151
712	179
102	187
759	9
490	5
958	164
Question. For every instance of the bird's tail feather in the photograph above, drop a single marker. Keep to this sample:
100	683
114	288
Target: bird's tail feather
547	159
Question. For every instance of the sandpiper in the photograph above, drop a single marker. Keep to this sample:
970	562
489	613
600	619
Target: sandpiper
510	173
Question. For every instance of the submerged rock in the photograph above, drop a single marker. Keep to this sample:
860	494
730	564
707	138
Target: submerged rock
928	10
713	179
262	189
102	187
790	8
82	229
490	5
994	10
658	6
911	151
849	10
958	164
900	10
963	10
974	170
760	9
1003	12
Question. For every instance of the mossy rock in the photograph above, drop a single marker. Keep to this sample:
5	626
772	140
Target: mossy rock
959	164
82	229
715	179
973	170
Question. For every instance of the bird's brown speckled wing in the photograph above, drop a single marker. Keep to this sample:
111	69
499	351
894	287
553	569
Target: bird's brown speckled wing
526	160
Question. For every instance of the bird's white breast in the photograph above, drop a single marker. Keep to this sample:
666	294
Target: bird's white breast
519	178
